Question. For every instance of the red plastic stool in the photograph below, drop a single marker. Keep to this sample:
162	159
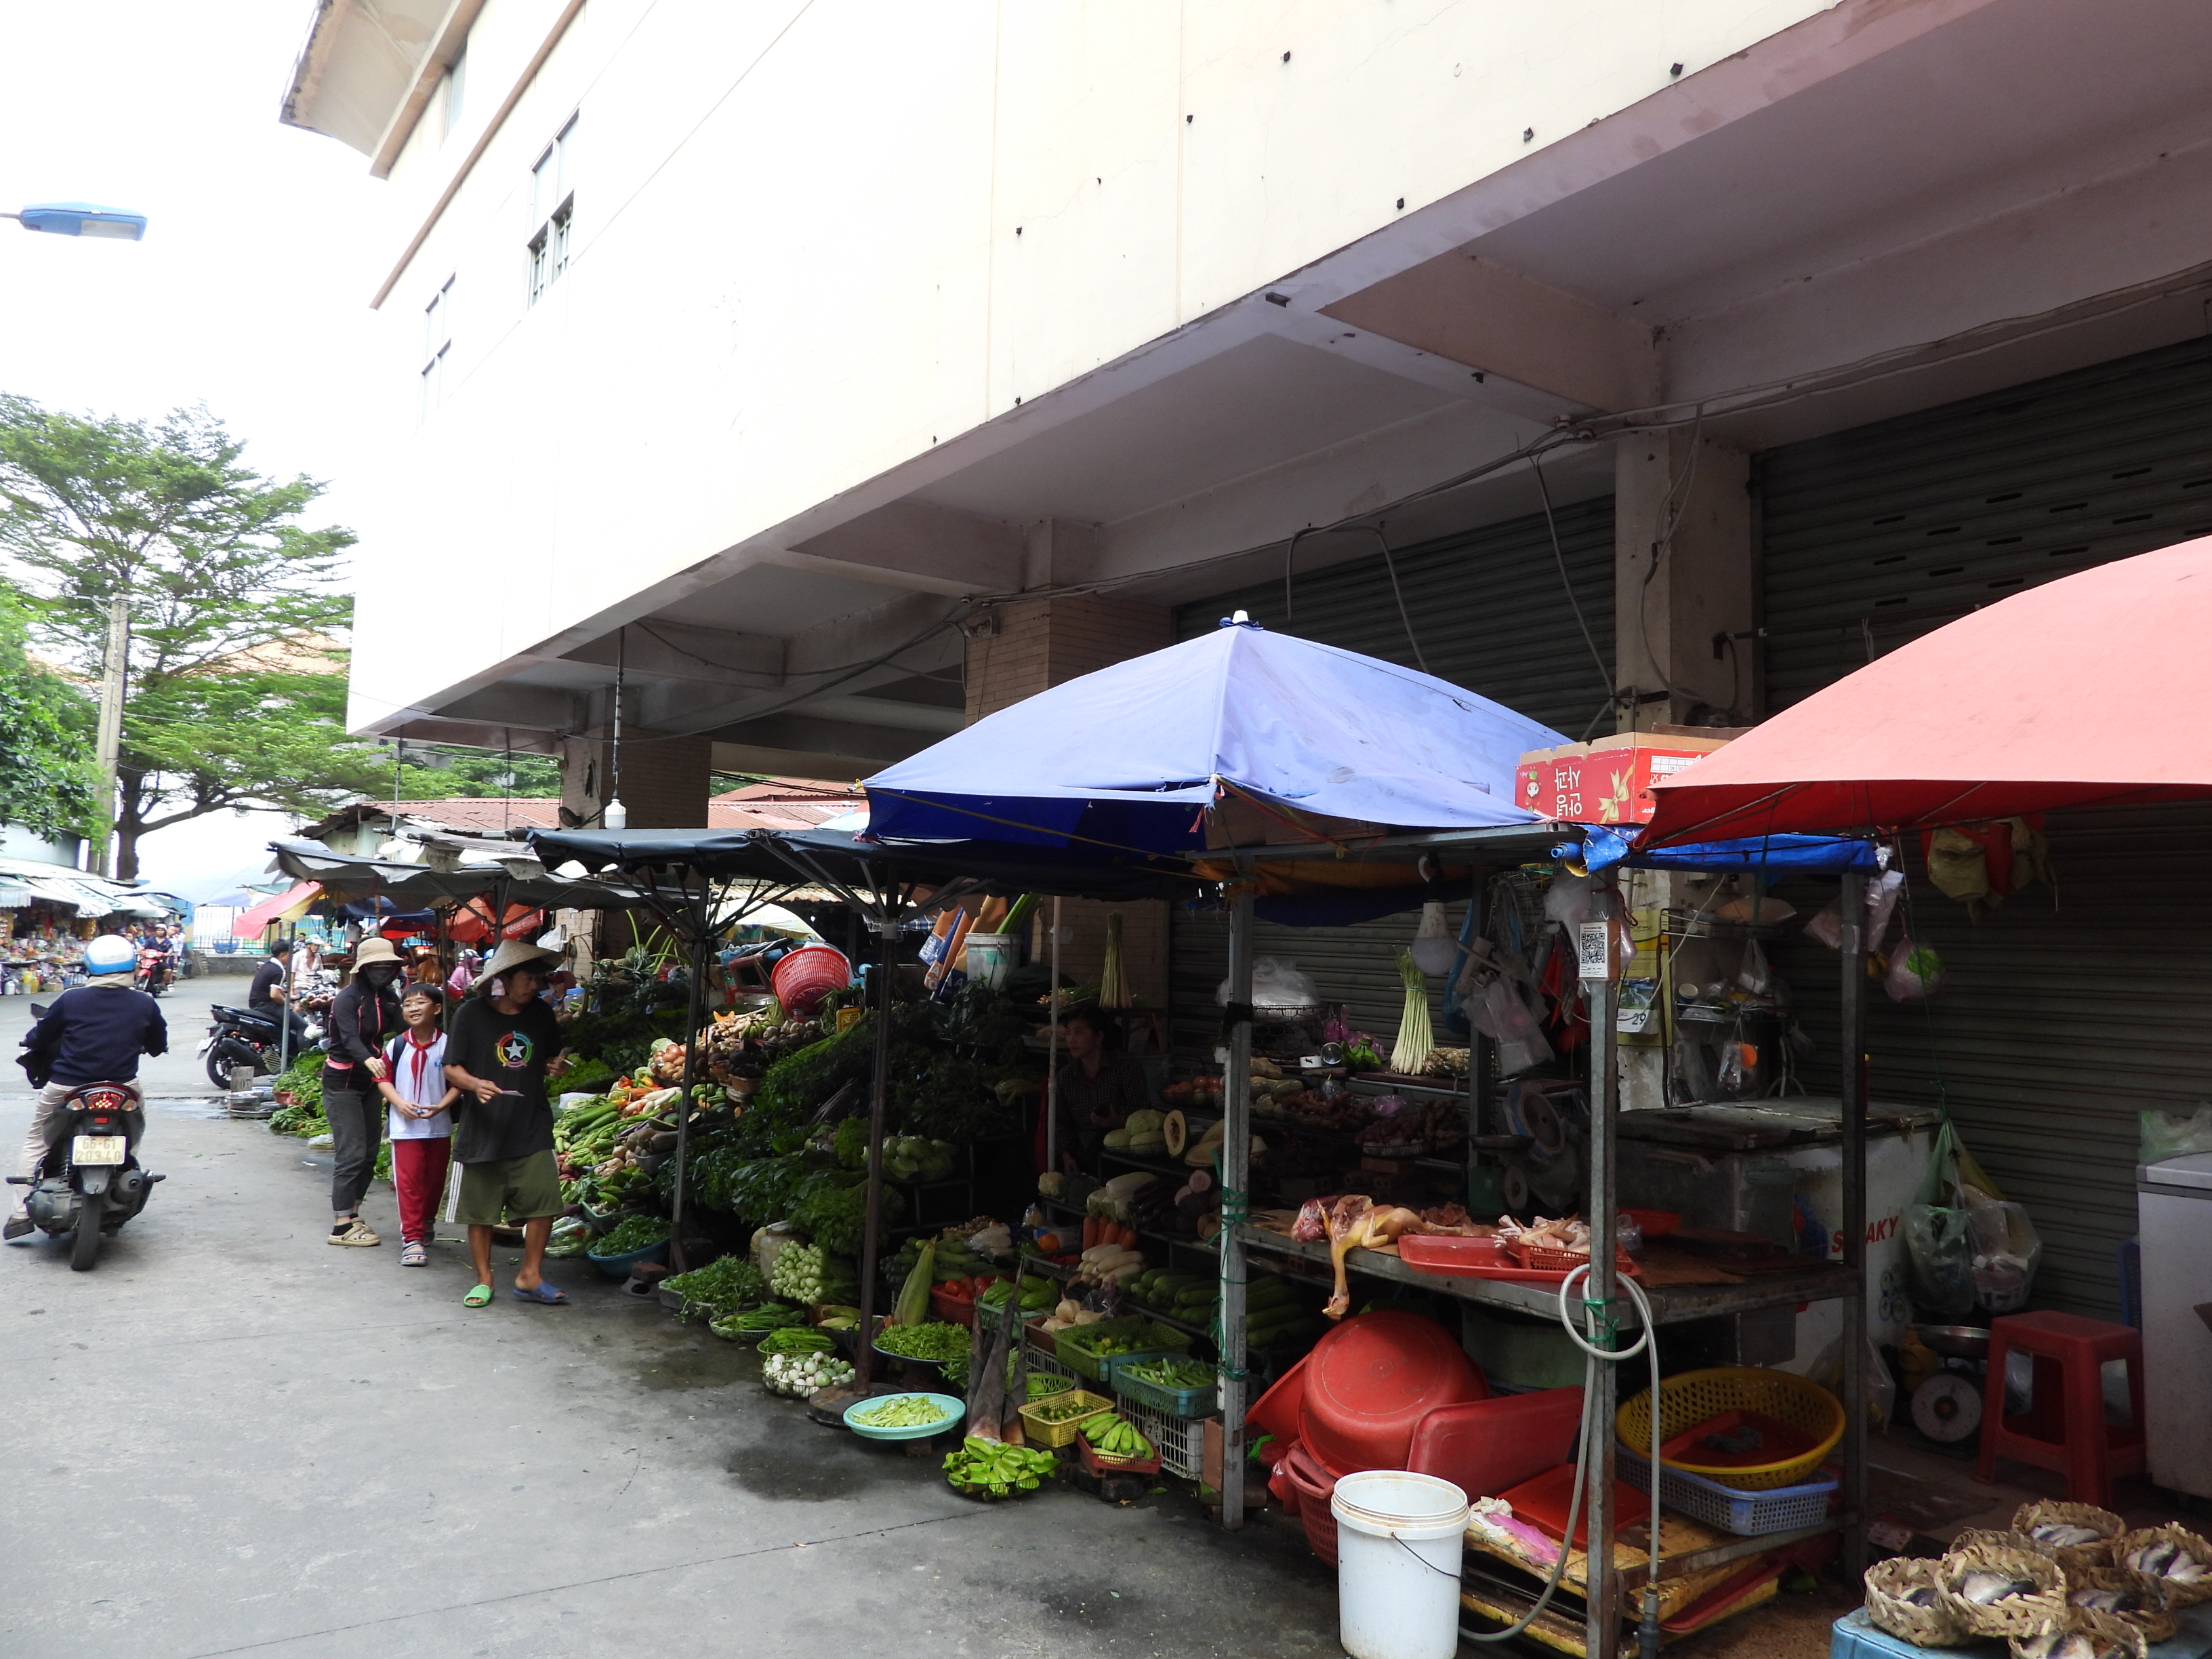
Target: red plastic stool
2065	1428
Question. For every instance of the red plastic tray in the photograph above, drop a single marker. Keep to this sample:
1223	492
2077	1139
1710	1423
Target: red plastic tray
1477	1258
1777	1442
1545	1501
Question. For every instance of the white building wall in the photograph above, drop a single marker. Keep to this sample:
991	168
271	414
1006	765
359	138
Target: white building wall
796	261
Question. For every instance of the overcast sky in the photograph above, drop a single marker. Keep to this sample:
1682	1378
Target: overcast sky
247	294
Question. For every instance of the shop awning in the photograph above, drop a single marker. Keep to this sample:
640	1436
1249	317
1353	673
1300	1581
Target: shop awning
2086	691
521	880
87	898
293	902
1288	733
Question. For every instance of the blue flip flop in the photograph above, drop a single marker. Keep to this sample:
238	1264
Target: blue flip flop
544	1295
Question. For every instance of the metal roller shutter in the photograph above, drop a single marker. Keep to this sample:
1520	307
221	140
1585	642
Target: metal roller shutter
1486	606
2063	1015
1490	614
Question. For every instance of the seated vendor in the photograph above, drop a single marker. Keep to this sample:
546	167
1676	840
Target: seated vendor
1099	1087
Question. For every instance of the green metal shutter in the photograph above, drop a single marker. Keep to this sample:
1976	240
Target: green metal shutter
2063	1015
1489	611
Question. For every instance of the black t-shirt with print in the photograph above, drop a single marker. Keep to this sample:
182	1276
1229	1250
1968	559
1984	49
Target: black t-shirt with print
512	1051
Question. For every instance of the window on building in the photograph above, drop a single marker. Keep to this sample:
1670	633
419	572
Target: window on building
552	209
437	345
450	92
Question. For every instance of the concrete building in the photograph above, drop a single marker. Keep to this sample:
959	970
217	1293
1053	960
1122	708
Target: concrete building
834	373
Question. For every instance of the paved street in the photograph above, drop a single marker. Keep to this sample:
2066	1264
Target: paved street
230	1438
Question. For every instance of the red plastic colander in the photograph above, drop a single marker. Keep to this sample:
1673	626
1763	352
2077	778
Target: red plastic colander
807	975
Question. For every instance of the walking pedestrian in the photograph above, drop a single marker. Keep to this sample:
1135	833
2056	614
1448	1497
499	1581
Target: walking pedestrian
414	1086
497	1047
364	1017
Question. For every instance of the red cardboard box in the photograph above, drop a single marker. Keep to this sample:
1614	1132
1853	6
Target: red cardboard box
1607	781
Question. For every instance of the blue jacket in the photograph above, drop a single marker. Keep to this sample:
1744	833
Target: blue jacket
94	1033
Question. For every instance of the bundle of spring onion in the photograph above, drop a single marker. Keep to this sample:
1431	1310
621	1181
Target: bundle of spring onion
753	1323
1416	1038
1114	976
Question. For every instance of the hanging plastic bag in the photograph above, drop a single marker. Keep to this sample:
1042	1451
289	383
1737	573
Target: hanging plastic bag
1501	1015
1937	1241
1755	976
1882	894
2007	1250
1880	1387
2169	1135
1826	926
1276	984
1915	971
1567	901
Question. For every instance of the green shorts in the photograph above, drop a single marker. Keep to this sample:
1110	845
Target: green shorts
511	1189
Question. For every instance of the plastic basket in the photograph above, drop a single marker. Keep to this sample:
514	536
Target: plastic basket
1042	1361
1094	1463
1152	1339
1180	1441
1200	1401
1039	1432
1693	1397
1536	1258
1747	1514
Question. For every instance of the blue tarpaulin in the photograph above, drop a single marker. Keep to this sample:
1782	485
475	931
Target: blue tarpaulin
1131	757
1603	847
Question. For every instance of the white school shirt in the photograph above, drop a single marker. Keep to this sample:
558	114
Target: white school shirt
418	1075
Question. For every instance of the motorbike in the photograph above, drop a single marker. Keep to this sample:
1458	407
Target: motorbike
154	972
90	1183
240	1036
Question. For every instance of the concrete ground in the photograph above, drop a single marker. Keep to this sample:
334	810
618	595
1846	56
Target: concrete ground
230	1438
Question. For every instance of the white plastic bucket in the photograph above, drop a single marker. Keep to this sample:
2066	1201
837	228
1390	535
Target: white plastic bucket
990	958
1398	1541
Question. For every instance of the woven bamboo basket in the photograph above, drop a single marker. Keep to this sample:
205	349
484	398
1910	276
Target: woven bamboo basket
2018	1541
2113	1638
2152	1610
2180	1593
2030	1614
1889	1585
2074	1558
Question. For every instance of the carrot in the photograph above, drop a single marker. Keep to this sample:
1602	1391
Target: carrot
1089	1230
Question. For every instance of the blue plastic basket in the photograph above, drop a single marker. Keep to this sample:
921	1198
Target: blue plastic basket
1747	1514
1170	1402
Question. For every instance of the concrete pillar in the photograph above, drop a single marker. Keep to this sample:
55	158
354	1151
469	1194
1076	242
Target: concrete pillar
1046	643
1685	577
664	781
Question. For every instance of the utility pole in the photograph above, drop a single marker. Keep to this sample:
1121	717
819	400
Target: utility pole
111	722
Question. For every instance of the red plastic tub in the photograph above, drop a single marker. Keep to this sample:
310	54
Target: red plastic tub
1371	1382
1311	1485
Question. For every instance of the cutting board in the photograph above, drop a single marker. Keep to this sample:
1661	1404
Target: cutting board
1544	1502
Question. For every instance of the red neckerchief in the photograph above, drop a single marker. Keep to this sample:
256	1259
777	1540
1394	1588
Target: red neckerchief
421	1050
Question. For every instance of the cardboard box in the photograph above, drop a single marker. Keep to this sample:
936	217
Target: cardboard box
1606	781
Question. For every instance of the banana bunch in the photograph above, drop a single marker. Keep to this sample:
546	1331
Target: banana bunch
1112	1435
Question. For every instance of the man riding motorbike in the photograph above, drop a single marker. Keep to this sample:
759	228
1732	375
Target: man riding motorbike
93	1033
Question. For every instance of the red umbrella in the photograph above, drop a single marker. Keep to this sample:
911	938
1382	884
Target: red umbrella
2085	691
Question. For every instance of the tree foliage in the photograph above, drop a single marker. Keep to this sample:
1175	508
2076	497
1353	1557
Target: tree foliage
48	729
236	684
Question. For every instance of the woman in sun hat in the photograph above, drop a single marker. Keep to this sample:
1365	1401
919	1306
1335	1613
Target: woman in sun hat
364	1017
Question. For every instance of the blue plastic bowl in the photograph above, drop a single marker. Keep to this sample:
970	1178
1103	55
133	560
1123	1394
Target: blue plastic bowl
954	1410
618	1266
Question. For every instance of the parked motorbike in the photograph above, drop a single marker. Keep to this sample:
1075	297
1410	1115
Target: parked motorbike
154	972
240	1036
89	1183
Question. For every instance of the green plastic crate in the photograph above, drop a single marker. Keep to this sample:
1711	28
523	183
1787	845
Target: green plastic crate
1075	1343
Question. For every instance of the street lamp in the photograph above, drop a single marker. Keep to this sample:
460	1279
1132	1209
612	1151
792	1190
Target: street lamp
81	219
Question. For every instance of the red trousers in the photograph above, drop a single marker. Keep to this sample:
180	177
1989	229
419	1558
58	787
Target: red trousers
418	1174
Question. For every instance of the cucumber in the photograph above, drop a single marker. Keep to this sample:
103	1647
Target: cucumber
1289	1330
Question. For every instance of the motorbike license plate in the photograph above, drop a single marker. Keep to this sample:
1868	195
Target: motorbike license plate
206	1044
99	1149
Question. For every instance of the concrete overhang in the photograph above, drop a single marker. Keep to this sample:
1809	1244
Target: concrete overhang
1886	207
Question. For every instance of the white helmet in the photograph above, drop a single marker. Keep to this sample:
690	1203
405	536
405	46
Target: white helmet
110	953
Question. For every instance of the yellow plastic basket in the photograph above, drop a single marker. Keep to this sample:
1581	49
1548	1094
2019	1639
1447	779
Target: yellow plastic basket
1694	1397
1039	1432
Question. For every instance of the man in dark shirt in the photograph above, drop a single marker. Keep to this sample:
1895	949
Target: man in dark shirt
268	997
93	1033
496	1051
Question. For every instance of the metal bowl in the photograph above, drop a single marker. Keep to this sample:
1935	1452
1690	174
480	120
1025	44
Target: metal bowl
1956	1341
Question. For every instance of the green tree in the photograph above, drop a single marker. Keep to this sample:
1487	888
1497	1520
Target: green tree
237	667
48	729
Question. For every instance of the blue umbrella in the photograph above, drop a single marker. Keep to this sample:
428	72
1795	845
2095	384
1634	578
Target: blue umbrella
1132	757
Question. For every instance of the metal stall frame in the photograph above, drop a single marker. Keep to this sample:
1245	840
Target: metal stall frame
1609	1585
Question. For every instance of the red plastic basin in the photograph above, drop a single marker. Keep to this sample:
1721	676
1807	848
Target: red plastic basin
1486	1447
1368	1383
803	977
